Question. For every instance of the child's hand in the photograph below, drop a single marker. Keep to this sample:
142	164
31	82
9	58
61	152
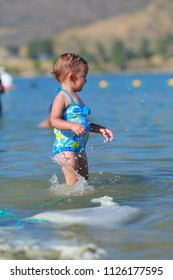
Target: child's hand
107	134
78	128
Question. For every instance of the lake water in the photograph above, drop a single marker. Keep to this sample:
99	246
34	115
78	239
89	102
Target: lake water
125	211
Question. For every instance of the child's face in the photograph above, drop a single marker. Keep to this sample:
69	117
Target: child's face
81	77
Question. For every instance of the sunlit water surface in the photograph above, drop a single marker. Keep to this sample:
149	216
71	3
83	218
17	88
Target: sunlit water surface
125	211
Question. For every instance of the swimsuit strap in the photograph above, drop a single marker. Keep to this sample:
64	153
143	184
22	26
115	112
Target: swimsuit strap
73	102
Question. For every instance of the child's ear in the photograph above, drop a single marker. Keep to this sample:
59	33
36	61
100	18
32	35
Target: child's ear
72	77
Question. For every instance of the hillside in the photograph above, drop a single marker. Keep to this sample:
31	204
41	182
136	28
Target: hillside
79	26
22	21
153	21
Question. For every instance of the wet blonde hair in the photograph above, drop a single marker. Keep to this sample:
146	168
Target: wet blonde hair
66	63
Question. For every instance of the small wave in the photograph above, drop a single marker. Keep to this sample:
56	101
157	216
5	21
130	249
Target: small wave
108	213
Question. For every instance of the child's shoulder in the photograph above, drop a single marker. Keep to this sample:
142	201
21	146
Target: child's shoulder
59	97
62	98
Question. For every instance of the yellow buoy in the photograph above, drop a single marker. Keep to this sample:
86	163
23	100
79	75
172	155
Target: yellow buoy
170	82
103	84
136	83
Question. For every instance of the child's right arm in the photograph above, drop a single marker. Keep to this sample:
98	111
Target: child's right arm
56	113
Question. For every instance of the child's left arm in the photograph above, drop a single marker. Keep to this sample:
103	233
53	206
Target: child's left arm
105	132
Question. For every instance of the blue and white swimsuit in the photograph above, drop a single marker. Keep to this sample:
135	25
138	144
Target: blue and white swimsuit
67	140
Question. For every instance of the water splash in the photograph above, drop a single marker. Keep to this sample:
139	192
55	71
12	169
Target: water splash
81	187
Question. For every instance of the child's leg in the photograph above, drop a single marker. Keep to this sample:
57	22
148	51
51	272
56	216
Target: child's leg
83	165
68	162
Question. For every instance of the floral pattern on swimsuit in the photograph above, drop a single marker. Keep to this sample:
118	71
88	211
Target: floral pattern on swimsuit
67	140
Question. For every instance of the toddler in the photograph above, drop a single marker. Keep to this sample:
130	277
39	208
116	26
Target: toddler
69	118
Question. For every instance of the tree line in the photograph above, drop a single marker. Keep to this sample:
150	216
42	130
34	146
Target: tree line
118	55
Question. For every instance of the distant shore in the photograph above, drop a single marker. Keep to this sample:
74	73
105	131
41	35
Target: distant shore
25	67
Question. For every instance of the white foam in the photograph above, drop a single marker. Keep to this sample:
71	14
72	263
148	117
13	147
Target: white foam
30	248
105	201
84	252
108	213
